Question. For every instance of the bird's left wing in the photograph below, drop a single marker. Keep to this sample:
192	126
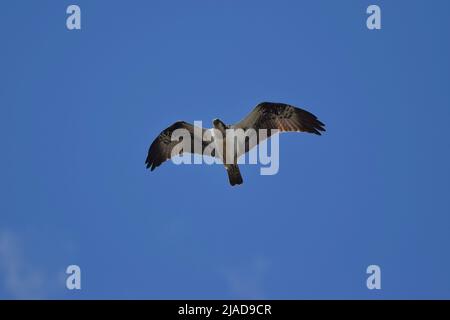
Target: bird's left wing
161	148
278	116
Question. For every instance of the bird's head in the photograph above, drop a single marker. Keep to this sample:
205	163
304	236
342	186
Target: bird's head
218	124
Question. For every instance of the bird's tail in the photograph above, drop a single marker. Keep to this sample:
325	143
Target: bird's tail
234	174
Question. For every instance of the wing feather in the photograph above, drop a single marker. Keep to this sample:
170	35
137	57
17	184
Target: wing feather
281	117
161	148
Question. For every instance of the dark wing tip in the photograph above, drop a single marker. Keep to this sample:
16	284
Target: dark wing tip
152	155
309	122
158	152
151	164
148	162
319	126
153	160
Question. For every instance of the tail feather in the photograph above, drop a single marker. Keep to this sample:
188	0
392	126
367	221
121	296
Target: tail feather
234	174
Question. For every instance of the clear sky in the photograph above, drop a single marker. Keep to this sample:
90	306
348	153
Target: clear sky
78	110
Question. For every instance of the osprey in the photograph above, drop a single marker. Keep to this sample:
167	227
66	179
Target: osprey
274	117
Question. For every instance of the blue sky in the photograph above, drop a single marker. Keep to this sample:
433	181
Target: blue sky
78	110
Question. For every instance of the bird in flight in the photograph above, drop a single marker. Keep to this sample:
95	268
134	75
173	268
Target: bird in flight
273	117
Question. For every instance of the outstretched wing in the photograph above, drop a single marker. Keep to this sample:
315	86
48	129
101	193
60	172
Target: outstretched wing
279	116
161	148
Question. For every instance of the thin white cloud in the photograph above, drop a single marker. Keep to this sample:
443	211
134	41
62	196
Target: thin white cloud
246	280
18	279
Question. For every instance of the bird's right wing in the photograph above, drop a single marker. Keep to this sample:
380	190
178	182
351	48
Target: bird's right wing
161	148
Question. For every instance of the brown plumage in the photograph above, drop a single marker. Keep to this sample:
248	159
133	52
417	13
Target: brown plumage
279	116
267	115
161	148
